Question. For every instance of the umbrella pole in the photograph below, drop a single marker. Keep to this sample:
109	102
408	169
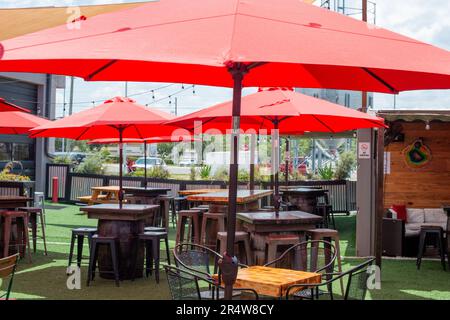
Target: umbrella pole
120	168
145	164
229	264
252	161
276	163
287	158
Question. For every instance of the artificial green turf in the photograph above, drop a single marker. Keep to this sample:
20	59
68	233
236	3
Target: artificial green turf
45	277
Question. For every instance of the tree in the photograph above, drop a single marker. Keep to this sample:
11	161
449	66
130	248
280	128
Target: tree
165	150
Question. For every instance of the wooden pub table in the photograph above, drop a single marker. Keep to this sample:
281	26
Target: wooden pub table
273	282
247	200
262	224
150	192
13	202
126	224
194	192
305	199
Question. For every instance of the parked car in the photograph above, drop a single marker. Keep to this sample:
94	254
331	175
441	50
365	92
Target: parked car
75	157
187	162
151	162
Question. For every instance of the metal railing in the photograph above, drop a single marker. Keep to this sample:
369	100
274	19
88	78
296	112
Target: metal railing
342	194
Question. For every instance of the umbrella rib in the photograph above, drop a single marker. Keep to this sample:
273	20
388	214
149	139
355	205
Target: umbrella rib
84	131
33	134
379	79
379	125
138	132
324	124
101	69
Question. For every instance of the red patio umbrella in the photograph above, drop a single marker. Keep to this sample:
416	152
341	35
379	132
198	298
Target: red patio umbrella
8	106
233	43
117	118
293	44
280	111
18	122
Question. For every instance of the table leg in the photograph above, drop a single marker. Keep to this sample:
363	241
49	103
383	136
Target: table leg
33	221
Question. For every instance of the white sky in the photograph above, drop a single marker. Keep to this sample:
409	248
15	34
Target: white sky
423	20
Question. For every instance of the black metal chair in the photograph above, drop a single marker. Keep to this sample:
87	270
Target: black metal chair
184	285
200	260
7	270
317	256
356	289
312	256
196	259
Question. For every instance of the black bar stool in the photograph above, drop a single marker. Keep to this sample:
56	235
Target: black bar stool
152	251
79	234
435	233
113	244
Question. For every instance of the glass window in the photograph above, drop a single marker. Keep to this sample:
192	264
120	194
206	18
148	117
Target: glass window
5	151
22	152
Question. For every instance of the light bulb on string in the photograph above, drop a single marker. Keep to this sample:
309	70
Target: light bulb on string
170	99
153	94
182	86
193	89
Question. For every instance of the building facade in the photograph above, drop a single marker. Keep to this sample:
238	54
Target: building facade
36	92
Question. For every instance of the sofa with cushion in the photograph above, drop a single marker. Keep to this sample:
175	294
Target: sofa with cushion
416	218
401	230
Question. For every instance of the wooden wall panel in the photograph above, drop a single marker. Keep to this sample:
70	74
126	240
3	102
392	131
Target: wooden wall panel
428	187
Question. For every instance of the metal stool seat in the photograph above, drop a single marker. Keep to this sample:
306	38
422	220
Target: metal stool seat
113	244
33	214
191	218
329	235
20	219
79	234
242	239
435	233
152	251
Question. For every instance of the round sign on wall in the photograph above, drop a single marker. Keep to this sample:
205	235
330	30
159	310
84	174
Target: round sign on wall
417	155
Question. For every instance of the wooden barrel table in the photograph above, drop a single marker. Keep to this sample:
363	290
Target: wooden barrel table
247	201
124	223
262	224
305	199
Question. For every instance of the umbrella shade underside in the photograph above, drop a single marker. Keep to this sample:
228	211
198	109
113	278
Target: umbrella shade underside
296	113
104	121
196	42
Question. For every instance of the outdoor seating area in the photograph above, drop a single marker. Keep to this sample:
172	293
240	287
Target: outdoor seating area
46	277
280	193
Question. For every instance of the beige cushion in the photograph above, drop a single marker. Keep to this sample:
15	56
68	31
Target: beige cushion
413	226
435	216
415	215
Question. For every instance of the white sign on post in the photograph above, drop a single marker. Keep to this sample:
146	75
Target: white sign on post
364	150
387	163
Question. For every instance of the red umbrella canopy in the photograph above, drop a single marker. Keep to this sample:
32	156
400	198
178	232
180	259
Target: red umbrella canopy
18	122
8	106
170	139
104	121
295	112
197	41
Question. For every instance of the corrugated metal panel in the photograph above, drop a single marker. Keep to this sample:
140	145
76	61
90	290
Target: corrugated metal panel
81	186
61	173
